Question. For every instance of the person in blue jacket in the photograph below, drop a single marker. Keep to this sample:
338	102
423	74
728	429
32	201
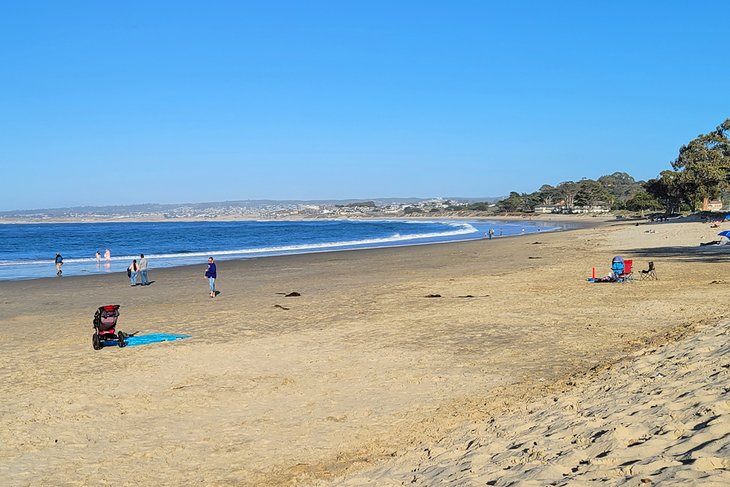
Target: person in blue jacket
210	273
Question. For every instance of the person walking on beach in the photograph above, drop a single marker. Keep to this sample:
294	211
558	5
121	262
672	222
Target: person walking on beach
491	233
132	272
59	264
210	273
143	270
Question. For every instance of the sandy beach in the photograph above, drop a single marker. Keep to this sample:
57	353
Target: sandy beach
473	363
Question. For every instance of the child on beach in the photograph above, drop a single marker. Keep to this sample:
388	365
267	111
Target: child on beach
210	273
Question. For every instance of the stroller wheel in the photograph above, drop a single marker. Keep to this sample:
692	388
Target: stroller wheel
121	339
96	342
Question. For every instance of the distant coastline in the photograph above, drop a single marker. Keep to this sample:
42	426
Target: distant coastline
471	215
247	210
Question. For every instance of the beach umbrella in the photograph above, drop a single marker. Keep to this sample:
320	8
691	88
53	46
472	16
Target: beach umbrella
725	233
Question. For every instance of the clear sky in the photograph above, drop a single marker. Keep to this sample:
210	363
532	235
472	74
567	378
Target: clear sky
165	102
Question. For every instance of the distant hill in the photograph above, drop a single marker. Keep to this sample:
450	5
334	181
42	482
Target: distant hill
242	205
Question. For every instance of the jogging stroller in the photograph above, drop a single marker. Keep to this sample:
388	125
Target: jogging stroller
105	323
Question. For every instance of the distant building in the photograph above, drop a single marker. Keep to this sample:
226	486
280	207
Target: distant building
581	209
712	205
547	209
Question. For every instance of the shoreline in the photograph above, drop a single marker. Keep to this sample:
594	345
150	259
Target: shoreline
203	261
361	368
477	235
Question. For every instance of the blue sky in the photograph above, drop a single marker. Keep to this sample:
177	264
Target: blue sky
162	102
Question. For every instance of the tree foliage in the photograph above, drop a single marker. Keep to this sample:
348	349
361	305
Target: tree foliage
607	190
668	190
700	171
642	201
620	186
704	164
513	203
592	193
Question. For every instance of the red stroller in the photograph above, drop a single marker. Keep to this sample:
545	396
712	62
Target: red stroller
105	322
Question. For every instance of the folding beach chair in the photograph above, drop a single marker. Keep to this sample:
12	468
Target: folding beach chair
649	274
627	275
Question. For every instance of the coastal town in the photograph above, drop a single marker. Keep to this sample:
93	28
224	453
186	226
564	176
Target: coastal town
273	210
562	200
248	209
617	193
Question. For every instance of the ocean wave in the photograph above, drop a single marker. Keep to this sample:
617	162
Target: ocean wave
459	228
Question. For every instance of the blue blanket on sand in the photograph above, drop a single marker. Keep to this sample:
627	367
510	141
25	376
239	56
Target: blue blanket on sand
135	340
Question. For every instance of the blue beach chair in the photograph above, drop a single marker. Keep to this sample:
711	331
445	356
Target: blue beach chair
617	267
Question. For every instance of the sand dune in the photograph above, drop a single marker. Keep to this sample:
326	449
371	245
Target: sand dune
660	416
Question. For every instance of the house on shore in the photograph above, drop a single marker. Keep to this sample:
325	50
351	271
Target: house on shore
712	205
547	209
565	209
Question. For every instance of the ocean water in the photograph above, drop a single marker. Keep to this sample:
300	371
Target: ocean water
27	251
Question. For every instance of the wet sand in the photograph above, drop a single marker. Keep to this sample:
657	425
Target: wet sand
351	381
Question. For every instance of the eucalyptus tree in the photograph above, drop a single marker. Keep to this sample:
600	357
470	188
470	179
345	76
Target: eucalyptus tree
642	201
591	193
620	185
548	195
668	188
568	190
704	164
514	202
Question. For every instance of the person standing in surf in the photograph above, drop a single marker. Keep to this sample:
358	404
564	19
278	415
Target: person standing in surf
210	273
59	264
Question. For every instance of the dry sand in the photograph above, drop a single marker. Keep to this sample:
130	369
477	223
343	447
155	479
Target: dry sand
660	417
365	381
